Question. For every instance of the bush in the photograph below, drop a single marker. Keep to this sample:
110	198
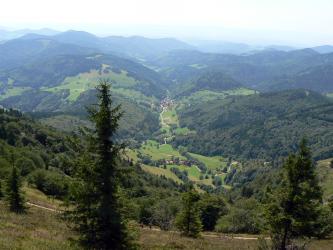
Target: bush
242	218
25	166
211	207
36	158
237	221
50	182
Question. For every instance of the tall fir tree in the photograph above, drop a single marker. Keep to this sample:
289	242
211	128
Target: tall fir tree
296	208
188	219
96	215
14	195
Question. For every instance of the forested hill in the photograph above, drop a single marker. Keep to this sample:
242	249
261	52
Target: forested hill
29	143
212	80
263	71
262	126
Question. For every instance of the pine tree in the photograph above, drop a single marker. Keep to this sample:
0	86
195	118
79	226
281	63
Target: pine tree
13	192
296	208
188	220
97	216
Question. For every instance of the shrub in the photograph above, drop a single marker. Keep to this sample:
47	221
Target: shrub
49	182
25	166
237	221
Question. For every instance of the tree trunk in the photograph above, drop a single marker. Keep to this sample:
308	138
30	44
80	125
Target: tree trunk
284	238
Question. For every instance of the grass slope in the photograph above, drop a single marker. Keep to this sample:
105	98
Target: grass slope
161	172
41	229
36	229
88	80
211	162
159	152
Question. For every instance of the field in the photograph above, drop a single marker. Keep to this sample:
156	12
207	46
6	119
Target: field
161	172
159	151
85	81
13	91
170	117
193	171
211	162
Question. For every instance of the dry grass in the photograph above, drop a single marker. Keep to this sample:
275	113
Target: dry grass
171	240
40	229
153	239
36	229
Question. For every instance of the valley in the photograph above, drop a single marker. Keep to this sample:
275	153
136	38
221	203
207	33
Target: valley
192	131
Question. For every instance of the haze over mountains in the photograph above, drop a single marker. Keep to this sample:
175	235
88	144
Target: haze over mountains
55	73
218	116
176	124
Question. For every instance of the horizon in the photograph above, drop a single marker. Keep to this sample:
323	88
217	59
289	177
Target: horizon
190	40
298	23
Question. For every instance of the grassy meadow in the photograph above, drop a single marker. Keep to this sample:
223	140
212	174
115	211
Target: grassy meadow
40	229
88	80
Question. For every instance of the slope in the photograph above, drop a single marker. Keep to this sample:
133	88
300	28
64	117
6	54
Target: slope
264	126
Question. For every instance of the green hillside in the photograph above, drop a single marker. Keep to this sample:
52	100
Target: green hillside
264	126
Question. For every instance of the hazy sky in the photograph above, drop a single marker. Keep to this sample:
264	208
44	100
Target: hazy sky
256	21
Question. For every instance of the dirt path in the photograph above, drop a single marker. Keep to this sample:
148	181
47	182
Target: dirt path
213	235
42	207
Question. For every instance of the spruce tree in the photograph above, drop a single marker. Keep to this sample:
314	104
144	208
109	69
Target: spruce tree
188	220
13	192
96	214
296	208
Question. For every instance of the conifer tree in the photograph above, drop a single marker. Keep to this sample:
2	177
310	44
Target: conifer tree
96	215
13	192
188	220
296	208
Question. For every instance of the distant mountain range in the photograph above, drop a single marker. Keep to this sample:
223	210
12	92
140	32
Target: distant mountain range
54	76
264	71
142	47
136	47
8	35
39	60
325	49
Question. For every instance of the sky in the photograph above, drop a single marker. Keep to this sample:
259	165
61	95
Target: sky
294	22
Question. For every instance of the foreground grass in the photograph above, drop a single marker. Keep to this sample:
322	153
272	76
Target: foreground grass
171	240
41	229
37	229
